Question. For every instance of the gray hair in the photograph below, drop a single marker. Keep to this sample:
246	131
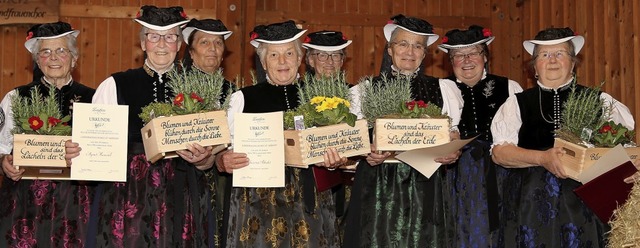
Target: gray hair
570	47
261	50
395	33
72	45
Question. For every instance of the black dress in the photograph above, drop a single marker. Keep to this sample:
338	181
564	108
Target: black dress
392	204
162	204
47	213
293	216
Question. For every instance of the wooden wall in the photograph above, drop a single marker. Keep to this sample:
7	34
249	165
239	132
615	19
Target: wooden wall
108	39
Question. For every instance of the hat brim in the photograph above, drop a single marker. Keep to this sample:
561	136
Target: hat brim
160	28
445	48
326	48
29	43
256	42
389	28
577	40
188	30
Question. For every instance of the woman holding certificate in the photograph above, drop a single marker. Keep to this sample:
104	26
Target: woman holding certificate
162	204
296	215
44	212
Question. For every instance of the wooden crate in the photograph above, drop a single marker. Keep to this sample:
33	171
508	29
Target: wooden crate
305	147
409	134
163	136
578	158
41	156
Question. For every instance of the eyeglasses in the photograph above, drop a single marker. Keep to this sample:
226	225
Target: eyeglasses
460	56
324	56
60	52
557	54
155	38
403	45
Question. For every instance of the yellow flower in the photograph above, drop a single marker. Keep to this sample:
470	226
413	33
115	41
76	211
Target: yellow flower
317	99
322	107
346	103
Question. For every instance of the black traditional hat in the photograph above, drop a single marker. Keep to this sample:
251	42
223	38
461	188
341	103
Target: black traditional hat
276	33
161	19
457	38
209	26
411	24
552	36
48	31
328	41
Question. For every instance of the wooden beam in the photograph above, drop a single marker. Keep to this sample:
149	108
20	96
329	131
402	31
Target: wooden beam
122	12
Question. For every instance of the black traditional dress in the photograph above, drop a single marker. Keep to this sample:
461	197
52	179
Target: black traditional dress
293	216
539	209
471	184
394	205
45	213
162	204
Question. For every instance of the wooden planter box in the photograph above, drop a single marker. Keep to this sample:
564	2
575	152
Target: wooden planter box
41	156
305	147
578	158
409	134
163	136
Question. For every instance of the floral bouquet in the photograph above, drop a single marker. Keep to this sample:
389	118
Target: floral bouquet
586	134
324	104
401	123
39	115
196	114
39	135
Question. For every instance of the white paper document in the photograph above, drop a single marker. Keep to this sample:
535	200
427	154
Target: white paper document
422	159
261	137
101	132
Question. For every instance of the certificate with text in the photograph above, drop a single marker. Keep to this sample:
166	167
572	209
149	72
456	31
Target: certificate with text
101	132
261	137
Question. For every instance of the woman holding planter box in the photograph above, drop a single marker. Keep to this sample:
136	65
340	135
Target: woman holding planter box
472	183
45	212
162	204
539	205
392	204
296	215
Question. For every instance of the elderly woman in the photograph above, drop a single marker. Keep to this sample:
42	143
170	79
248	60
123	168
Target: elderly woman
205	41
326	51
471	184
392	204
163	203
45	212
296	215
540	208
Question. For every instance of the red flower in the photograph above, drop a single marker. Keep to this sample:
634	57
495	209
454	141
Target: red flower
445	39
604	129
411	105
254	35
29	35
139	14
178	100
486	32
307	39
35	123
575	33
65	124
390	22
53	121
183	14
344	37
421	104
196	97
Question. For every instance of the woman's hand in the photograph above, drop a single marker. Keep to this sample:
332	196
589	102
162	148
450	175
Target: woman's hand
71	150
201	157
636	176
449	159
374	158
9	170
550	160
332	159
227	161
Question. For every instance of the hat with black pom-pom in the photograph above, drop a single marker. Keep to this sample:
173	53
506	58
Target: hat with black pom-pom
48	31
411	24
456	38
276	33
553	36
161	19
209	26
